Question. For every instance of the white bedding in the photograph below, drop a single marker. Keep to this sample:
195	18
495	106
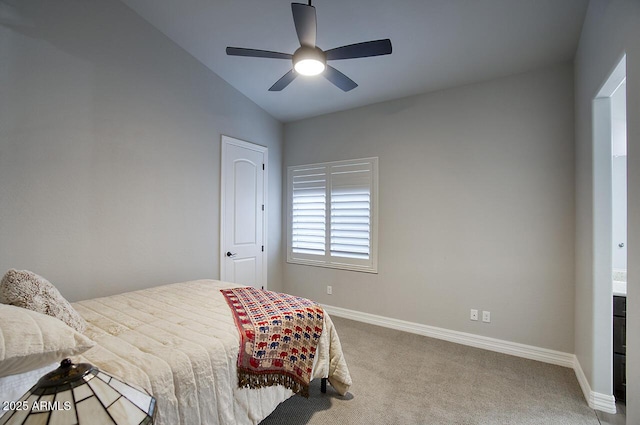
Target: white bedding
13	387
180	343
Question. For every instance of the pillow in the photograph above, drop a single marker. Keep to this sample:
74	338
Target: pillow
13	387
26	289
30	340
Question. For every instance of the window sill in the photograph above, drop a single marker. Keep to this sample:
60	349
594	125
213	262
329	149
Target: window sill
347	267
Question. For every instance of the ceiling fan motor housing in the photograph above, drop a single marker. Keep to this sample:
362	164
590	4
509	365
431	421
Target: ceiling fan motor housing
309	60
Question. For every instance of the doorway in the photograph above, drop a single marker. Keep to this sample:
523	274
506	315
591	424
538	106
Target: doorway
243	216
609	231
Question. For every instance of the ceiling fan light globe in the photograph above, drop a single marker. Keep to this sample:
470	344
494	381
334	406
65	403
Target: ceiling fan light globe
309	67
309	61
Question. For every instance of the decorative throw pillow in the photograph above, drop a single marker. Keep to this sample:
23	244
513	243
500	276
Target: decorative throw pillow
26	289
30	340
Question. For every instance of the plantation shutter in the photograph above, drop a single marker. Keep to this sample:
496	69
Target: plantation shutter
308	229
332	214
351	210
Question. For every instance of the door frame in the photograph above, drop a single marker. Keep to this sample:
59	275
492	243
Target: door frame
224	143
602	329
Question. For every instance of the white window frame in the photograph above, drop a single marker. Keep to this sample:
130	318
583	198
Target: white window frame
369	265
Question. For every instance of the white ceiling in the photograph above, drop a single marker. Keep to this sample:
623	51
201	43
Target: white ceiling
436	44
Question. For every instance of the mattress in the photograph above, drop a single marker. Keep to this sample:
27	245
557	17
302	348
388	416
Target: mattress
180	343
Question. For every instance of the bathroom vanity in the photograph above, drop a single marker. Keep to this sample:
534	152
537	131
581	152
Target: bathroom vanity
619	346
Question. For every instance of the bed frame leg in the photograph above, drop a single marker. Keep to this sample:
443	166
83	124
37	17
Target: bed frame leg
323	385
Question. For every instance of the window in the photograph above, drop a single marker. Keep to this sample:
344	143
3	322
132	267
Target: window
332	216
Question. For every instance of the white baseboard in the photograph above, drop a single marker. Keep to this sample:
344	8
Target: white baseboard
478	341
605	403
597	401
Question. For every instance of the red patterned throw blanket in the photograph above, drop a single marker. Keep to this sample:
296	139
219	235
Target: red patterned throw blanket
279	334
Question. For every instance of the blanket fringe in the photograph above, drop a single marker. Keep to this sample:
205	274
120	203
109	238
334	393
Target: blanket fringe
249	379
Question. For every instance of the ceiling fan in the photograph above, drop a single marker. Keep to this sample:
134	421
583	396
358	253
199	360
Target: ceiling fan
309	59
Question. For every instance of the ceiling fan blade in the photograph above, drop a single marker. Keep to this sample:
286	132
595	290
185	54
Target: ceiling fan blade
304	18
255	53
339	79
360	50
284	81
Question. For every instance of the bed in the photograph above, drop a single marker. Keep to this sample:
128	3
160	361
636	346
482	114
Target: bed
180	342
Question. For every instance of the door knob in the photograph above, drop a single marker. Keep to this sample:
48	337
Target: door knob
621	244
231	254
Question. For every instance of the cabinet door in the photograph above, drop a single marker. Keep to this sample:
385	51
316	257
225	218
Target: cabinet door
619	337
619	377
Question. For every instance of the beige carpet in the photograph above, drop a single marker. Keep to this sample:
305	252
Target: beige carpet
402	378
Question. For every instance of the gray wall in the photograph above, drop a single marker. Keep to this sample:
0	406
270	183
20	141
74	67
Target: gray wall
110	150
611	28
476	189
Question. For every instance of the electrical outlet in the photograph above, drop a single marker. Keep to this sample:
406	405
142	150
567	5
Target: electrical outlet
486	316
329	290
474	314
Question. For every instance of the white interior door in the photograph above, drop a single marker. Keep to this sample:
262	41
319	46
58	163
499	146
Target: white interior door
243	216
